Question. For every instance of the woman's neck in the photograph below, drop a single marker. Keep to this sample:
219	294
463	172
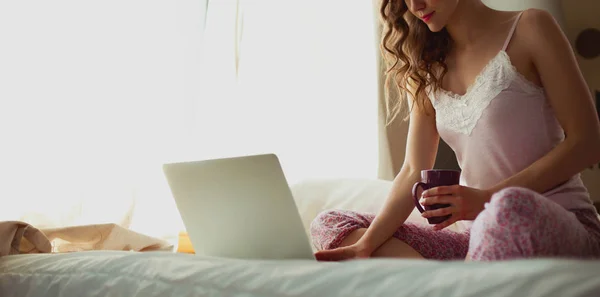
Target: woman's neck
469	22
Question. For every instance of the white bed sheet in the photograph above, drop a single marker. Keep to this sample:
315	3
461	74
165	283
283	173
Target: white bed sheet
101	274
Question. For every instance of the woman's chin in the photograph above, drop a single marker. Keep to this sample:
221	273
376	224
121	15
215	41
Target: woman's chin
434	27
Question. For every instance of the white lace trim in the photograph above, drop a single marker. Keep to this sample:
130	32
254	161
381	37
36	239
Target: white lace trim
461	113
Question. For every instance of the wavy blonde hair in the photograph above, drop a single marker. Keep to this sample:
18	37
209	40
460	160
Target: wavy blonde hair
415	57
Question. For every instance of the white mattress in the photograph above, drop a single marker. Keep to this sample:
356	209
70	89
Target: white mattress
101	274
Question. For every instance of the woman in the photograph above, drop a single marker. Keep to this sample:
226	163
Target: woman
503	89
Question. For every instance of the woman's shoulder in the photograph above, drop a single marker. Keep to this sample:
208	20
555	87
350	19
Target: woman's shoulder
537	30
537	23
534	16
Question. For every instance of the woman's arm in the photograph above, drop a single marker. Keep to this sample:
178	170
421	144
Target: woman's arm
571	101
421	150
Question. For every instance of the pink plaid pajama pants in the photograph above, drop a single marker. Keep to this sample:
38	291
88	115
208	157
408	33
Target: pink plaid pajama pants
516	223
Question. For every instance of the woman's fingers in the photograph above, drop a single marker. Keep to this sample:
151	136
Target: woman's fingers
437	200
446	223
442	190
338	254
439	212
326	255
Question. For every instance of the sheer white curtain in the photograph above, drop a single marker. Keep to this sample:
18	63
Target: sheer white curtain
96	95
306	84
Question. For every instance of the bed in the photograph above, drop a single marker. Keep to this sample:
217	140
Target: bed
149	274
104	273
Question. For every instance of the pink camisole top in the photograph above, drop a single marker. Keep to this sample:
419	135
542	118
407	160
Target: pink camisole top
502	125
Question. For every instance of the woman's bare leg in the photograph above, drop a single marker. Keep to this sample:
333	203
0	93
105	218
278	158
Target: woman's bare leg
392	248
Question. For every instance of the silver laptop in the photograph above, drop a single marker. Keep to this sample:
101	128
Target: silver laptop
239	207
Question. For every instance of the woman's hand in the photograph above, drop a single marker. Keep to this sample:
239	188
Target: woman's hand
465	203
355	251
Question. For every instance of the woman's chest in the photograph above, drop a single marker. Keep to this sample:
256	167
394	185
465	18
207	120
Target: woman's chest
464	69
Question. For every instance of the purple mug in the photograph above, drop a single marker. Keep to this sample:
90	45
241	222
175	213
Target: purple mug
431	179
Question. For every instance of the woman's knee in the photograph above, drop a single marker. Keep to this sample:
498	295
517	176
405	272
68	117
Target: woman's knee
330	227
511	202
509	214
324	219
510	206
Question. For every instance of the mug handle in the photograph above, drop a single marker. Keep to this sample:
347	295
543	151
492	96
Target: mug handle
414	193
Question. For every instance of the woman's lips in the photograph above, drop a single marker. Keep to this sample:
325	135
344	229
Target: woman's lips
428	16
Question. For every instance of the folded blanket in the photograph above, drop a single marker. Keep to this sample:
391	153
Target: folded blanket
21	238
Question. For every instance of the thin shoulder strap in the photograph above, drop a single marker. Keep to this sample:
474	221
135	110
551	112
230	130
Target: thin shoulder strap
512	31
